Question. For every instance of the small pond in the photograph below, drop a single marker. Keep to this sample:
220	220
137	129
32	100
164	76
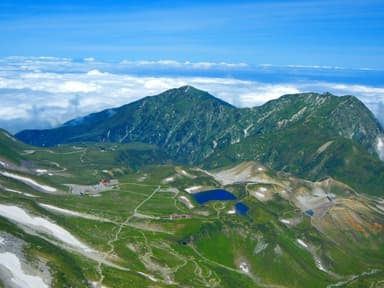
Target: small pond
310	212
213	195
241	209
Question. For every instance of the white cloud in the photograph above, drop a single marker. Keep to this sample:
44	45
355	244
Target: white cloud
314	66
355	89
300	66
76	86
208	65
155	84
10	113
95	72
89	59
61	89
265	93
185	64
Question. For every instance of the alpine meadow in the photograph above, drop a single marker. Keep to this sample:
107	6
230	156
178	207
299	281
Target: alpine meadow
179	144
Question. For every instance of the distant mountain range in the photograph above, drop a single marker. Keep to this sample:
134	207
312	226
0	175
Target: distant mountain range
310	135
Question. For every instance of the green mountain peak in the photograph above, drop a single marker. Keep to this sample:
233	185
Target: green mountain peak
193	127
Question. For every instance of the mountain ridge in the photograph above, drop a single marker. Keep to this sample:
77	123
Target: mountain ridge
194	127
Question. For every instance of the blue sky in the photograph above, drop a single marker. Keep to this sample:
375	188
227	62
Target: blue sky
64	59
336	33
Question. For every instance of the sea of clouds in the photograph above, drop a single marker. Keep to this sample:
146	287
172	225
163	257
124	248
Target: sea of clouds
44	92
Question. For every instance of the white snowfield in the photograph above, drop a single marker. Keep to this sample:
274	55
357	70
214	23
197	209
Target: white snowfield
169	179
380	147
19	192
9	136
193	189
319	265
150	277
98	285
302	243
73	213
61	210
28	181
186	201
19	278
285	221
19	215
261	195
186	174
244	267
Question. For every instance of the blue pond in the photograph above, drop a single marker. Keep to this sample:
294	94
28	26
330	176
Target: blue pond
241	209
211	195
310	212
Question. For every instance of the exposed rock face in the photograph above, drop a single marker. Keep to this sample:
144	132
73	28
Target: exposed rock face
193	127
189	123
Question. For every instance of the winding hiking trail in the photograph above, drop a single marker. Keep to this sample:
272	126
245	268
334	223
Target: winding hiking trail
111	242
84	151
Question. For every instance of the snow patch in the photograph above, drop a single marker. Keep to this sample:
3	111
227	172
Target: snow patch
19	278
193	189
61	210
169	179
98	285
380	147
150	277
285	221
40	224
244	267
245	131
186	201
186	174
28	181
10	137
261	195
319	265
72	213
302	243
19	192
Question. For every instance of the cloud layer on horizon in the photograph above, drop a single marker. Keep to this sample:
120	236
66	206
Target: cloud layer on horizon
42	92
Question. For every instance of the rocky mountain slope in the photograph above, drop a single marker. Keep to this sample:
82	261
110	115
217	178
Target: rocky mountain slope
311	135
67	227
